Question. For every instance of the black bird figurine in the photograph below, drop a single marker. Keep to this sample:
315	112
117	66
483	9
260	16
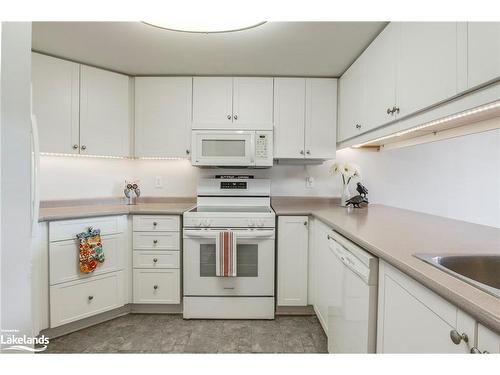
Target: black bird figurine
356	201
361	189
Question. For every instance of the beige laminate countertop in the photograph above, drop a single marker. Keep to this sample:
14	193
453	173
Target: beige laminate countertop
92	210
394	235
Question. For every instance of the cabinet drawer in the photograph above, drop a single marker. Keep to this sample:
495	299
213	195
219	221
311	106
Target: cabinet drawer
156	259
163	223
80	299
68	229
156	286
64	262
156	241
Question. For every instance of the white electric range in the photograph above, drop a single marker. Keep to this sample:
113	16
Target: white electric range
242	206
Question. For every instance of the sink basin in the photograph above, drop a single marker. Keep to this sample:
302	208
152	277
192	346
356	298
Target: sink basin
481	271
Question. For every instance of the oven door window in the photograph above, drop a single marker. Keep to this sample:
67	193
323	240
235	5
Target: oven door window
247	260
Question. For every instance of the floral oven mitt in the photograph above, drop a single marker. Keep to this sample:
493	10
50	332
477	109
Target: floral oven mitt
90	250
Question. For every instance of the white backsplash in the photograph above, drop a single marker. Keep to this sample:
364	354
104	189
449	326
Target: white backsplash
457	178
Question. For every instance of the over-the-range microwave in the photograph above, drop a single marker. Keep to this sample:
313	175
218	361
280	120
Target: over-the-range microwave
232	148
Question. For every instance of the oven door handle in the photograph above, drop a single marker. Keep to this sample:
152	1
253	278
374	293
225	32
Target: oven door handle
239	234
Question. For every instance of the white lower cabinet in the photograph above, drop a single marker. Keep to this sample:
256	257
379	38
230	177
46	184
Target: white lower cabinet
292	260
75	295
156	259
487	341
157	286
76	300
413	319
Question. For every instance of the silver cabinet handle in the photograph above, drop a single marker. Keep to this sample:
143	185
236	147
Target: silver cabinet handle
235	117
155	260
328	237
457	337
395	109
155	287
302	152
84	147
308	152
475	350
155	241
389	111
187	152
229	288
229	117
358	126
305	223
91	298
155	223
75	146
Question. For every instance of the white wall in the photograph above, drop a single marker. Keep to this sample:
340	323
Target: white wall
456	178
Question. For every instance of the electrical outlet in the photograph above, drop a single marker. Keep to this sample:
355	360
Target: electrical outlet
309	182
158	182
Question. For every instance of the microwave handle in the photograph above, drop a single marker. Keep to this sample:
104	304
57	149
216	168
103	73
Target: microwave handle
240	234
252	148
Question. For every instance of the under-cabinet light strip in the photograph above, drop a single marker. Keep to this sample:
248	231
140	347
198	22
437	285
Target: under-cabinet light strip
470	112
109	156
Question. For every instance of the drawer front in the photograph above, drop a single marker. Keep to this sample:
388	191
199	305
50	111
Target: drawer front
80	299
160	223
156	259
64	262
68	229
156	240
157	286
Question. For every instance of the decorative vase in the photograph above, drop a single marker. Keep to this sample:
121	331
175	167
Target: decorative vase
346	195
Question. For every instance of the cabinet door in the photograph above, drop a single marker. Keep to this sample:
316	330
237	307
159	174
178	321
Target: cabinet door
163	116
412	319
352	101
292	260
104	112
380	79
321	118
487	340
161	286
289	117
427	64
212	103
253	103
483	52
56	103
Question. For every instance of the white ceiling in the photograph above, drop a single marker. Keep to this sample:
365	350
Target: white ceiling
275	48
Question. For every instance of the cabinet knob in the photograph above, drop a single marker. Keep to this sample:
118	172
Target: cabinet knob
155	260
389	111
75	146
358	126
187	152
229	117
155	223
457	337
91	298
84	147
395	109
308	152
328	236
155	287
235	117
155	241
302	152
305	223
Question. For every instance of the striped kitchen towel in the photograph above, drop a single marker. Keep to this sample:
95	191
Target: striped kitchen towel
225	254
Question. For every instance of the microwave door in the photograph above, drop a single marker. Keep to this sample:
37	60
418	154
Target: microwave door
222	148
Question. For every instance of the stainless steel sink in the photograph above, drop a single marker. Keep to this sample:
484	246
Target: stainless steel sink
481	271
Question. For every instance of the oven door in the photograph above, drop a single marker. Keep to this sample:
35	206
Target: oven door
255	264
223	148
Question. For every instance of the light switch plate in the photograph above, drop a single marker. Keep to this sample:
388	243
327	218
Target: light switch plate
309	182
158	182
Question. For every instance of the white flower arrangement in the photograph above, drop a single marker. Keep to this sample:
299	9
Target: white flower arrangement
348	171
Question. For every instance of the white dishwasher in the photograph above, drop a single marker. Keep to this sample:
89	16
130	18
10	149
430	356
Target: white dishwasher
352	308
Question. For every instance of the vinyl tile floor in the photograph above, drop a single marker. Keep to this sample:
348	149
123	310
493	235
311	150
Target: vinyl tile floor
154	333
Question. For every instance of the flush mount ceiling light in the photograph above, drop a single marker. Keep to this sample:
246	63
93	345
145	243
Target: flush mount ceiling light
205	27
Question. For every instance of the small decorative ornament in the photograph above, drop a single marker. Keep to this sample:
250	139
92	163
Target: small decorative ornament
132	191
348	171
90	250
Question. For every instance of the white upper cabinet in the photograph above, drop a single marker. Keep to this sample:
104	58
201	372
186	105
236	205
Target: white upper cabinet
163	116
321	118
483	52
352	100
232	103
305	118
289	115
379	62
212	102
56	103
426	66
253	103
104	112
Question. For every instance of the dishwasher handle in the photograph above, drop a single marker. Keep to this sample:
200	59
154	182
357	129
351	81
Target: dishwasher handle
349	260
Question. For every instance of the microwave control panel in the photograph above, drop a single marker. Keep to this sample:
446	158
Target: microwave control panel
264	148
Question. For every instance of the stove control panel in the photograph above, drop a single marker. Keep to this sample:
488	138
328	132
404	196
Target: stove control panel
233	185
